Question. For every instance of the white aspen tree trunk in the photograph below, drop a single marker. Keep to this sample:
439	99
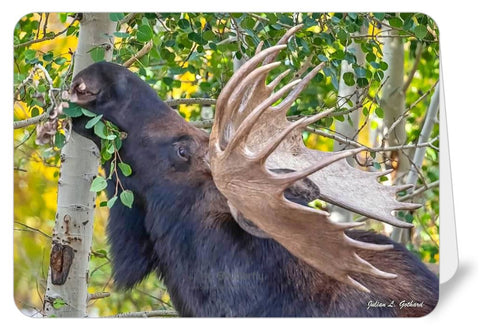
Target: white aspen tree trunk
398	234
393	97
393	105
66	294
346	128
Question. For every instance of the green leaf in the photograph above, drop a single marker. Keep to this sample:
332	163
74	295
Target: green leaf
248	23
379	112
111	202
377	165
60	60
125	168
409	218
99	130
34	111
59	140
30	54
120	34
213	46
98	184
362	82
48	56
349	78
115	17
87	113
342	35
73	110
144	33
379	16
395	22
371	57
97	54
183	24
193	36
93	121
360	72
209	35
126	197
420	31
353	16
58	303
383	178
322	57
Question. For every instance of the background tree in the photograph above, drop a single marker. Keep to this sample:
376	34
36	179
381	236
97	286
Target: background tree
187	58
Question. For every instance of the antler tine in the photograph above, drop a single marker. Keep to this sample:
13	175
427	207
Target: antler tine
259	47
368	246
222	101
283	41
408	206
255	76
288	101
289	178
250	120
354	283
277	80
368	268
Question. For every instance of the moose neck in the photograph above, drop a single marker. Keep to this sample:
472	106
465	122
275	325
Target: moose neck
211	266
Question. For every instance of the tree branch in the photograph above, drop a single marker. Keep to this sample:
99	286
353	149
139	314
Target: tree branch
32	121
97	296
418	56
147	314
144	50
126	19
191	101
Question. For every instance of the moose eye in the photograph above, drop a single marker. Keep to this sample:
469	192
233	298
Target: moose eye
182	153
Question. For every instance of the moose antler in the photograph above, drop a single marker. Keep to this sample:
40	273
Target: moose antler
250	137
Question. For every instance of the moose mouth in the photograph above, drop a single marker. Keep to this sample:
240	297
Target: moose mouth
81	95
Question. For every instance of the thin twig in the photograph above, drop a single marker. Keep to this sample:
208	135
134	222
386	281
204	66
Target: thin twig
33	229
420	190
191	101
126	19
144	50
146	314
97	296
418	56
405	114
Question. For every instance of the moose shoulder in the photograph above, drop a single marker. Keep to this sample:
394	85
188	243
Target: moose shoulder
185	228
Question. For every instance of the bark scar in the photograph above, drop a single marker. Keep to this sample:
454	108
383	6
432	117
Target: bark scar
61	259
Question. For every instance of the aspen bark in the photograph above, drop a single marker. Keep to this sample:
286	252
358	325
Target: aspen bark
66	294
347	129
393	97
